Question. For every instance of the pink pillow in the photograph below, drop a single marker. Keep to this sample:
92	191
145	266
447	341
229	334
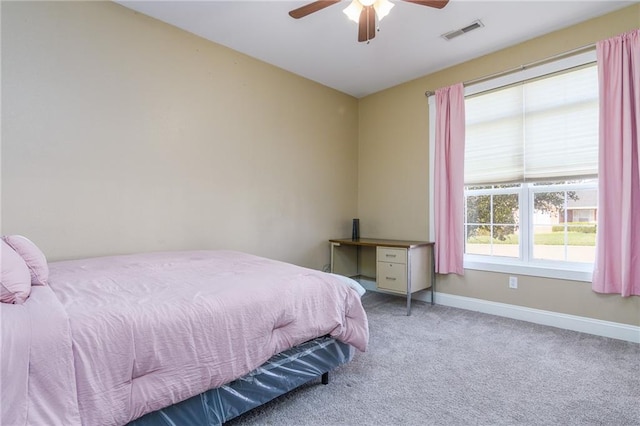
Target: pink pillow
32	256
15	283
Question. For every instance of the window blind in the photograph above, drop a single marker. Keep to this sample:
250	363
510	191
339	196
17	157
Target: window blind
541	130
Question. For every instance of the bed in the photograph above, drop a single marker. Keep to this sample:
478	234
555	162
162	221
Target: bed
110	340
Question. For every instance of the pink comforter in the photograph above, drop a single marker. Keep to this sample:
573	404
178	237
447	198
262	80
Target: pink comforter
117	337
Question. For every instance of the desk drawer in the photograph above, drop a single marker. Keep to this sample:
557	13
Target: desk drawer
392	277
395	255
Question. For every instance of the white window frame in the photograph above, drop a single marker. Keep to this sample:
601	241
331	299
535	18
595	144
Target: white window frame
525	264
539	268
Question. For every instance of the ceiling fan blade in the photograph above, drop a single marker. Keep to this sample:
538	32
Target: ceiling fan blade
438	4
367	24
371	25
308	9
362	25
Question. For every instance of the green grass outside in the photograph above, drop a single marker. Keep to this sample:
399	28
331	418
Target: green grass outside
547	239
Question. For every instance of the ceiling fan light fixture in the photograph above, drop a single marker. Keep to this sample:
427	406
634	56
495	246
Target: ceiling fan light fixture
353	11
382	8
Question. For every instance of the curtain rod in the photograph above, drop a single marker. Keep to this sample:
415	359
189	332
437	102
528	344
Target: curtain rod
524	67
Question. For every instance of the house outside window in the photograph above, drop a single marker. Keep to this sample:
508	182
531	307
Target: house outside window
531	177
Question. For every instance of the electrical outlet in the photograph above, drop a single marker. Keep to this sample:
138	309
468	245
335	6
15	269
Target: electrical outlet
513	282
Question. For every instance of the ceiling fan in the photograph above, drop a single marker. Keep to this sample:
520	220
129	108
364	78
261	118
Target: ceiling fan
364	12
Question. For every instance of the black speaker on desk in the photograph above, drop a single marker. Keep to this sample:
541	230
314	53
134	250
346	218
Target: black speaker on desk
355	230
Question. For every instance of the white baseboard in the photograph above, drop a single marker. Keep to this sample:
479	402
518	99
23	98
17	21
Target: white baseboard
610	329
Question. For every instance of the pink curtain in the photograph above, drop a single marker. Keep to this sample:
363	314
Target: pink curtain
617	266
449	180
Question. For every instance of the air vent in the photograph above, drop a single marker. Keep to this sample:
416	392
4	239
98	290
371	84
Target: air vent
455	33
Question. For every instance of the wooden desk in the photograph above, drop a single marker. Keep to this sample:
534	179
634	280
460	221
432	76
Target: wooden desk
395	266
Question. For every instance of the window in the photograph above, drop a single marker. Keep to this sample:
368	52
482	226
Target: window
531	168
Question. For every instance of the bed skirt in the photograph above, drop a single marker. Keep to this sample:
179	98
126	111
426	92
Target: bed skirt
281	374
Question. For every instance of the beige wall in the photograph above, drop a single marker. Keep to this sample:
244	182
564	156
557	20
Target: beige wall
393	173
123	134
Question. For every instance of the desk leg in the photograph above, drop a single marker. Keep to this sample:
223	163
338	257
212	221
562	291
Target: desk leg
408	282
433	273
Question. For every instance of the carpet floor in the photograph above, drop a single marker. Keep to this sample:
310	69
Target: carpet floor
448	366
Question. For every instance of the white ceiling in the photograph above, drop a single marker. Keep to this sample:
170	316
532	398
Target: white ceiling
323	46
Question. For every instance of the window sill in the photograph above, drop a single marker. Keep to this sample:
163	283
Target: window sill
581	273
